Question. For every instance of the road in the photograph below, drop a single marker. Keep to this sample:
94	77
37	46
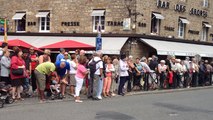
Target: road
185	105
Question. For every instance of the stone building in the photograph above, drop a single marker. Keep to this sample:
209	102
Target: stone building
128	26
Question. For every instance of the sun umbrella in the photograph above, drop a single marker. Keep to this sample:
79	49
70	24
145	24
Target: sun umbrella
69	44
20	43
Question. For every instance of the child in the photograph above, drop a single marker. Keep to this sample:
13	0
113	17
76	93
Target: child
54	84
80	76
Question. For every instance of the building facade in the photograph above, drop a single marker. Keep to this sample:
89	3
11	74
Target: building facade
185	20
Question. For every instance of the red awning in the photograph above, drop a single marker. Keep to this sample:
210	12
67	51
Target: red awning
21	44
69	44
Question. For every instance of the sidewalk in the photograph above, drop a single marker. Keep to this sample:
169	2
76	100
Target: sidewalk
34	100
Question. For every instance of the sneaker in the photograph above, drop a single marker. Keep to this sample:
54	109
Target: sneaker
78	101
99	97
113	94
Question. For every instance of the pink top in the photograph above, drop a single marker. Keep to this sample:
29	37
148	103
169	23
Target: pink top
81	71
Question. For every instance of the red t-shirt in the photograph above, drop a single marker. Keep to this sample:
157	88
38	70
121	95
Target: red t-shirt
33	63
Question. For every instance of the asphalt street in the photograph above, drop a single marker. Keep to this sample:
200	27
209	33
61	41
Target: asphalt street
185	105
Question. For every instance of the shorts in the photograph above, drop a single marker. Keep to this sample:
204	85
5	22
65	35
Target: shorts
72	80
41	80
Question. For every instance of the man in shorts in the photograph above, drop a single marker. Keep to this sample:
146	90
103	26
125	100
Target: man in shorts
43	69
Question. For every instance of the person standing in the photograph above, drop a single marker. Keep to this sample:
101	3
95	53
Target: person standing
80	75
17	73
3	48
137	75
115	77
5	67
179	73
63	70
41	71
130	73
34	63
27	61
95	88
45	57
108	80
60	55
162	71
73	70
123	74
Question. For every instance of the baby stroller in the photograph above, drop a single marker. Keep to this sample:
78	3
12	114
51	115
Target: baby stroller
5	96
55	90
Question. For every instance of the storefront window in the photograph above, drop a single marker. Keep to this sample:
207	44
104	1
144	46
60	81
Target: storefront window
44	23
21	24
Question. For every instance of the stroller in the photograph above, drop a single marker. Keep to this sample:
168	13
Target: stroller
5	96
55	90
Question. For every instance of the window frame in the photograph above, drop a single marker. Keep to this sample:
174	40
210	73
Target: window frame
206	3
157	24
181	29
17	23
95	26
45	23
204	35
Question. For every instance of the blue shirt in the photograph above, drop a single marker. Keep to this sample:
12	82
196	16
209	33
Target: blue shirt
59	57
62	71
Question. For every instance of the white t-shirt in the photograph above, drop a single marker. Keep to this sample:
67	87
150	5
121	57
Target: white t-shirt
73	67
98	65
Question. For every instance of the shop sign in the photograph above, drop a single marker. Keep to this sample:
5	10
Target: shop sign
115	23
31	23
163	4
140	24
193	32
169	28
198	12
180	8
70	23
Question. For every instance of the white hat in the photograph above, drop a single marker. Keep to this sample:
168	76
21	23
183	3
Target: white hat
162	61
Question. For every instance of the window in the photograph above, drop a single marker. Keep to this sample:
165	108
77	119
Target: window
98	20
155	23
205	30
20	21
205	3
21	24
44	24
204	34
181	29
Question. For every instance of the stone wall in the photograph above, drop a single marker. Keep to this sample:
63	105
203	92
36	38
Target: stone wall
80	11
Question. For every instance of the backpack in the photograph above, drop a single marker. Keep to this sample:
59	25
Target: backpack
92	68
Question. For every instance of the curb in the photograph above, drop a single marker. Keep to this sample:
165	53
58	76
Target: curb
168	91
128	94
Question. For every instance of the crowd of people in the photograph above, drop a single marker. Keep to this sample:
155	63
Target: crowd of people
100	76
